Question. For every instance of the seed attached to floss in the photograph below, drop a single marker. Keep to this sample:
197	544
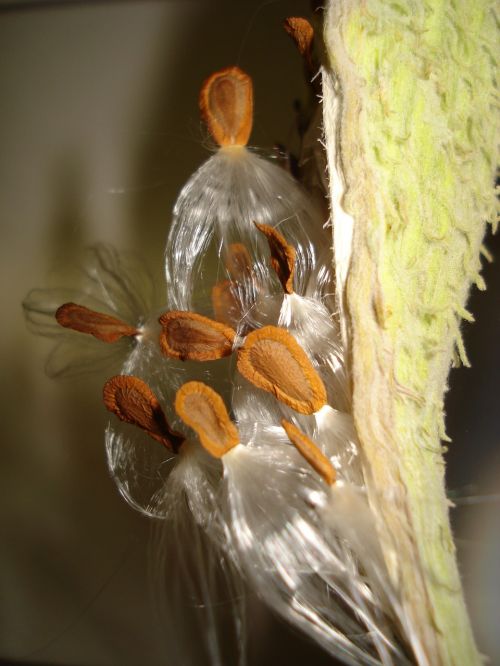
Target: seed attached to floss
308	449
272	360
202	409
282	256
134	402
226	307
188	336
102	326
238	262
302	33
226	304
226	105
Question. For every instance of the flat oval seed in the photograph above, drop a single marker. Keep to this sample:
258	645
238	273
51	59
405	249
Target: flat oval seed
226	307
308	449
226	105
201	408
282	256
102	326
190	336
134	402
302	33
273	360
238	262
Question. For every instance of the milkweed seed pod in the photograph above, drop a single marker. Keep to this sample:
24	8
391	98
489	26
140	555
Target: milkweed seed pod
409	99
217	207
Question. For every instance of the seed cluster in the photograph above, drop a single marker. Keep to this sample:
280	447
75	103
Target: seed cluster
269	357
242	380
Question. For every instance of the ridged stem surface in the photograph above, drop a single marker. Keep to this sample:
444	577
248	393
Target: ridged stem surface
410	131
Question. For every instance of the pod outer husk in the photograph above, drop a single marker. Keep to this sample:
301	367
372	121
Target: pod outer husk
412	87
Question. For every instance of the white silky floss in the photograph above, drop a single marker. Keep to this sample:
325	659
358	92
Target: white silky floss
295	555
106	281
196	582
218	207
309	550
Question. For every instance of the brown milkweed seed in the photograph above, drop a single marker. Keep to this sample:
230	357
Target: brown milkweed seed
102	326
134	402
273	360
302	33
201	408
226	105
308	449
238	262
282	256
226	306
191	337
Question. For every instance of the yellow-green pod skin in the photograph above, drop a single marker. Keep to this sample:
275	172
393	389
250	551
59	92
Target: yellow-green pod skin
411	85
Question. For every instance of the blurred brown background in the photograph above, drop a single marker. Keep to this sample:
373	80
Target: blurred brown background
99	129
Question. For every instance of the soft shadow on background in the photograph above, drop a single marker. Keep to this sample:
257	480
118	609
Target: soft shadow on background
99	129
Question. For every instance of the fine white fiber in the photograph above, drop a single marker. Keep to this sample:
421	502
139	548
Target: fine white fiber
290	542
335	436
197	586
336	525
199	595
297	557
317	332
218	207
141	468
107	281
